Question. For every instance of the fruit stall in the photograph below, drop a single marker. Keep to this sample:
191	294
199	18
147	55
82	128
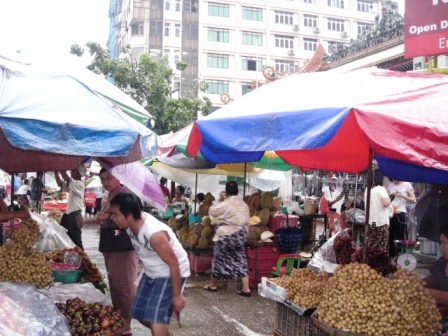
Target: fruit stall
370	298
37	261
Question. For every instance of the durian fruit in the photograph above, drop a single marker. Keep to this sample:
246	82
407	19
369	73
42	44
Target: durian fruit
197	228
209	198
264	215
203	210
254	234
213	220
206	232
264	228
266	199
254	203
192	239
206	221
254	220
203	242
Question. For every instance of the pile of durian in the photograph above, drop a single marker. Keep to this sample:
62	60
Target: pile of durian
198	234
262	206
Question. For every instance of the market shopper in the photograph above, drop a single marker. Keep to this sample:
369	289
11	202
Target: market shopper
400	193
229	256
37	188
333	195
379	214
121	260
72	219
165	190
166	265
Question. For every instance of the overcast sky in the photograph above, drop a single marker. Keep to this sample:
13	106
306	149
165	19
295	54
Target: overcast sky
40	27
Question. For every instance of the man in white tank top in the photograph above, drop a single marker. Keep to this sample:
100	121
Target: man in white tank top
165	262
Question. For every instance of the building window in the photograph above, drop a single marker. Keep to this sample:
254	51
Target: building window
245	88
250	38
251	13
218	61
218	35
336	3
286	66
218	9
363	27
284	17
309	44
282	41
310	1
309	20
335	25
167	29
167	5
137	28
178	5
365	6
217	87
176	56
251	63
177	30
166	54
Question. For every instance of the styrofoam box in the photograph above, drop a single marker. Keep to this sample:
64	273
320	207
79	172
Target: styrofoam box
277	290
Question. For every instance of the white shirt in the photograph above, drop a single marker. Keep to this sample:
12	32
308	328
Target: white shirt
23	190
403	188
75	200
378	212
155	267
331	196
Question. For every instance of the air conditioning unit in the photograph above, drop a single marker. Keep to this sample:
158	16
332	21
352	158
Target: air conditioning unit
345	34
296	27
291	52
316	30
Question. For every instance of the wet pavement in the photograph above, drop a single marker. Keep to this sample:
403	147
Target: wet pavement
222	313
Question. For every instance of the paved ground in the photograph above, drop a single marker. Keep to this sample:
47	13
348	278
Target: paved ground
222	313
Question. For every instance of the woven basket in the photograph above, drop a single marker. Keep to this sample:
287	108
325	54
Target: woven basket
309	209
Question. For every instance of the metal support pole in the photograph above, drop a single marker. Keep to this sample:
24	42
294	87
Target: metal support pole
369	188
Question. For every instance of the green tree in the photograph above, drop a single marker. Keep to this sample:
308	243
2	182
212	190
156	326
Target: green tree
149	82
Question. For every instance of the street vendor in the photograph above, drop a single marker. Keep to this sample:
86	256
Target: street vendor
73	220
6	215
179	198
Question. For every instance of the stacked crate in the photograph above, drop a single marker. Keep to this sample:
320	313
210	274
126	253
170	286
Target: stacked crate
260	261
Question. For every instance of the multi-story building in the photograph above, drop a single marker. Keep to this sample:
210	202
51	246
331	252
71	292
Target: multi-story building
226	43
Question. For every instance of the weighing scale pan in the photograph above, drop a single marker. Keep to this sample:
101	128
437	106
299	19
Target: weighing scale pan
406	243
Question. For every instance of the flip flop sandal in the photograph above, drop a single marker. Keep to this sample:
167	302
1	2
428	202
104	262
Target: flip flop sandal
243	293
210	289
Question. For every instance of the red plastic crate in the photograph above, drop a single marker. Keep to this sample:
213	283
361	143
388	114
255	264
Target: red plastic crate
200	263
254	262
282	220
255	274
269	252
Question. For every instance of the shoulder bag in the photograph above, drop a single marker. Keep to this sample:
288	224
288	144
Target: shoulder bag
113	239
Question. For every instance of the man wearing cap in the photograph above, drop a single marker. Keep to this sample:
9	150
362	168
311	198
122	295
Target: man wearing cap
72	220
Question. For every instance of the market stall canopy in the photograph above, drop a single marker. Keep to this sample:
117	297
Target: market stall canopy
330	121
173	143
51	120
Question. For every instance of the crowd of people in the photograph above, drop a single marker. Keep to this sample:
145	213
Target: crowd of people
128	235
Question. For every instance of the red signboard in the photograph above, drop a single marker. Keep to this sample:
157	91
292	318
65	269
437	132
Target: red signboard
426	28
